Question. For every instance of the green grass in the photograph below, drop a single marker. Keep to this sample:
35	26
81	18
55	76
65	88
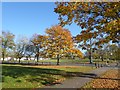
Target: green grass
18	76
69	61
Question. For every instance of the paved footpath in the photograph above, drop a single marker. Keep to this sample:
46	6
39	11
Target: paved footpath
78	82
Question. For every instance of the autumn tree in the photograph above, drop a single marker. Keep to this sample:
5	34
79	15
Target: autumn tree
7	42
77	53
117	53
86	41
74	53
100	18
39	44
59	42
95	55
113	52
100	53
108	51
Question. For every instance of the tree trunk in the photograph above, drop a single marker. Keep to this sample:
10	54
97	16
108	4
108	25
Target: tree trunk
3	56
37	57
58	59
90	53
90	56
29	57
102	58
37	53
90	59
19	60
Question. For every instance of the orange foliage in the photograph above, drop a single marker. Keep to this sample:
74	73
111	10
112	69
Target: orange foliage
78	53
59	41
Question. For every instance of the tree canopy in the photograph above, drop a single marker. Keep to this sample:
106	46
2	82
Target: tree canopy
59	41
100	20
38	42
7	39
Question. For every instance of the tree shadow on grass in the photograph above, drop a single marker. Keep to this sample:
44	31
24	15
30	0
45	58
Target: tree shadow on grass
41	75
18	71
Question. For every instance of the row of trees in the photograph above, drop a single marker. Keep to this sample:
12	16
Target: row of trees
108	51
57	43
